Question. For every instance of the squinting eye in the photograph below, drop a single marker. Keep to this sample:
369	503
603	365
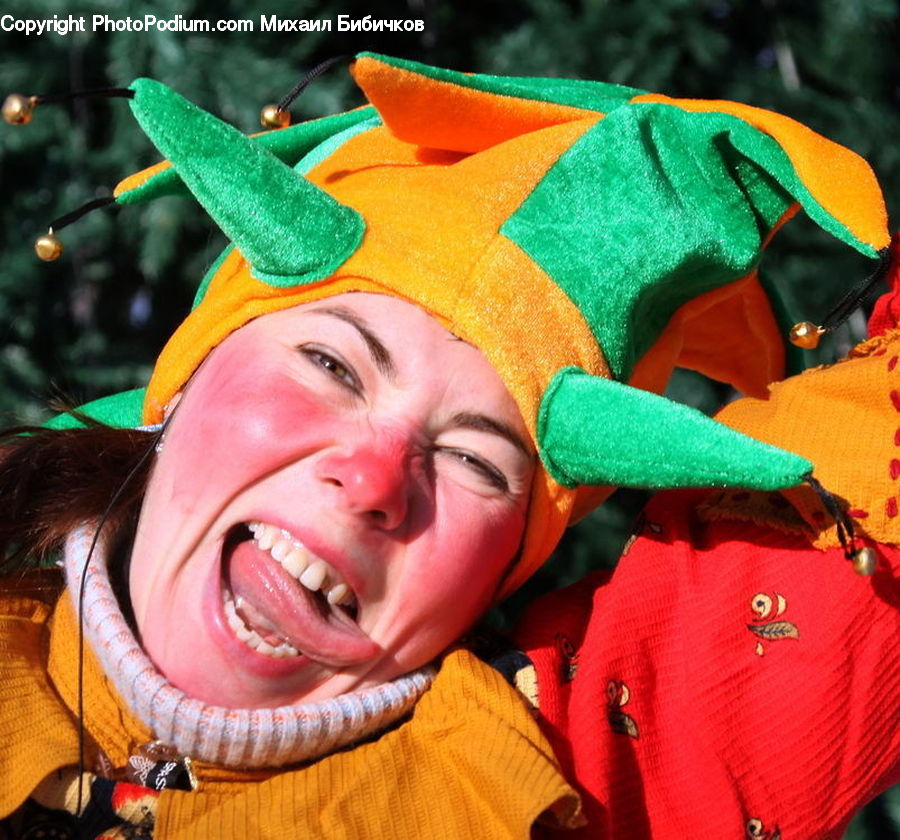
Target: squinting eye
484	469
337	369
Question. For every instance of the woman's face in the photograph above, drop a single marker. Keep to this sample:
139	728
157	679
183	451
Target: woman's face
350	451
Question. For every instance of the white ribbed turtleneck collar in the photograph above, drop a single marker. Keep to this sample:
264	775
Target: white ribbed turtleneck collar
241	738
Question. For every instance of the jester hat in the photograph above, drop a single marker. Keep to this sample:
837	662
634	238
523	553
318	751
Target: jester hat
587	237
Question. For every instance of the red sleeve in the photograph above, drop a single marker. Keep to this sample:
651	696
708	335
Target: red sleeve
728	681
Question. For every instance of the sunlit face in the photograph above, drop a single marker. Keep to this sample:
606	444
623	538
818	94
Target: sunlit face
342	486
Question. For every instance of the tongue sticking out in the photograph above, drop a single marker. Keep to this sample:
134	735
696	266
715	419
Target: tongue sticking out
281	609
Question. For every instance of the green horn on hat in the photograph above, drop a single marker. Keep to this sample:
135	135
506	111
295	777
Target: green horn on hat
654	206
289	145
289	230
601	432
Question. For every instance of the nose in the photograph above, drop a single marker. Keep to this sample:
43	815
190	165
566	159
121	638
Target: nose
371	478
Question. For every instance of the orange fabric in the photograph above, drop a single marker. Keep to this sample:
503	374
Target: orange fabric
37	735
808	414
841	181
729	334
432	236
434	776
443	115
426	243
138	179
115	730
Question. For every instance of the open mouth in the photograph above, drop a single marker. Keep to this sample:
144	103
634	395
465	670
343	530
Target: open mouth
302	565
282	601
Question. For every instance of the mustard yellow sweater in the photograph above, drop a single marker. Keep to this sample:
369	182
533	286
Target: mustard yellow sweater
471	762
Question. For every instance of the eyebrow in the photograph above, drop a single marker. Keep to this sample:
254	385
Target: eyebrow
383	360
381	356
483	423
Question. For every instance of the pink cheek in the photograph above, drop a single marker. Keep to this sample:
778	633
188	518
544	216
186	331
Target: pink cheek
244	426
472	555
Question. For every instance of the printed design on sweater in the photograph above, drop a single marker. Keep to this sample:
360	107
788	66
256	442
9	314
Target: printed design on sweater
617	695
112	810
568	657
526	683
767	624
136	807
756	830
158	766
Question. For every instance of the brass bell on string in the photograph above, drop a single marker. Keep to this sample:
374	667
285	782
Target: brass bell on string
48	247
274	117
18	109
806	335
865	560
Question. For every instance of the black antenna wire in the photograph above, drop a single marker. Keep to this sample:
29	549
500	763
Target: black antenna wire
97	93
75	215
309	78
842	520
81	587
855	296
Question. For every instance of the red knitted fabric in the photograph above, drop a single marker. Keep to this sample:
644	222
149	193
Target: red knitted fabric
729	681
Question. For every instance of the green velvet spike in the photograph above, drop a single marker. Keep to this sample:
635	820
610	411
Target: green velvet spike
578	93
287	144
290	231
312	158
123	411
600	432
651	207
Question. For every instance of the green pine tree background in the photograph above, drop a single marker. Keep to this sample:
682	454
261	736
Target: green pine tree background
91	323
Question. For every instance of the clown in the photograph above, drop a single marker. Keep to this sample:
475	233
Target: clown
437	337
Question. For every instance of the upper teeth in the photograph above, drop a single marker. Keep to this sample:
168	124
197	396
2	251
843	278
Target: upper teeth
300	563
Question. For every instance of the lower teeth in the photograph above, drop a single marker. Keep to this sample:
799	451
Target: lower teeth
250	637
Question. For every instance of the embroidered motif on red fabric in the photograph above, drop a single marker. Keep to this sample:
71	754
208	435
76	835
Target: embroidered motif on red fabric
767	626
568	657
756	830
618	695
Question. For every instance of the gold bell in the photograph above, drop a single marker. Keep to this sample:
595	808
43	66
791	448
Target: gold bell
18	109
48	247
274	117
806	335
864	561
